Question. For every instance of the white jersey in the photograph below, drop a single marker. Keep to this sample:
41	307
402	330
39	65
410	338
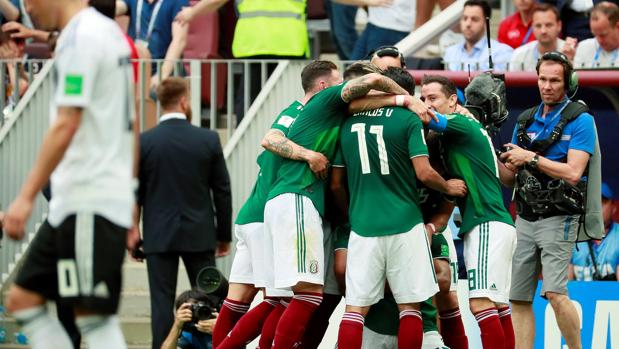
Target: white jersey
93	72
525	57
589	54
399	16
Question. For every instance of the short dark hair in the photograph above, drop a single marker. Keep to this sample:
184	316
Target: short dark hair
358	69
485	6
557	57
106	7
543	7
447	86
171	90
188	295
608	9
315	70
402	78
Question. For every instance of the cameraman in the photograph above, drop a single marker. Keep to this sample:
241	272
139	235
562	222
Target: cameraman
547	159
188	332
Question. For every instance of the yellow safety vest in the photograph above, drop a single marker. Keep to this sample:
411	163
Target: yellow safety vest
271	27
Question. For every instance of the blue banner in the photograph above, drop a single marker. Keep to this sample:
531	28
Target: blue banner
597	304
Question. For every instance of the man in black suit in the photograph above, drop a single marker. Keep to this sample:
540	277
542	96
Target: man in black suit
180	166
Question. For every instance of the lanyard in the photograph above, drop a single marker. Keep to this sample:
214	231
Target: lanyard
596	58
548	121
527	36
151	24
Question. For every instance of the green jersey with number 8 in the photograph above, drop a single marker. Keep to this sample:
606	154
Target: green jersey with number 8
376	148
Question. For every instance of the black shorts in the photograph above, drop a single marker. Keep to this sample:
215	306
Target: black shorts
78	263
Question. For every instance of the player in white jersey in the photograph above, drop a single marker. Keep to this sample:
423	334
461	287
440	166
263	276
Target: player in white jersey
77	255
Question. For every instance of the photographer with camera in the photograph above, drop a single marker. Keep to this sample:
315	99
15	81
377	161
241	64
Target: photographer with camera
194	322
554	163
598	260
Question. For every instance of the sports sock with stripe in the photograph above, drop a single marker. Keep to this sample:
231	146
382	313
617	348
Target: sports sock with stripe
249	325
230	313
490	328
101	332
505	316
268	329
452	329
350	335
294	320
43	331
410	333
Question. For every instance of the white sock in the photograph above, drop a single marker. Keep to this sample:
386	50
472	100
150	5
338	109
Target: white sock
101	332
42	330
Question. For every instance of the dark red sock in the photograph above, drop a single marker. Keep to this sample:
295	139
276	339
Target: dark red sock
230	313
268	329
319	322
350	335
292	324
491	329
452	329
249	325
505	316
410	333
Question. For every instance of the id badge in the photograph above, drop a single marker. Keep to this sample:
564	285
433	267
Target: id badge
141	43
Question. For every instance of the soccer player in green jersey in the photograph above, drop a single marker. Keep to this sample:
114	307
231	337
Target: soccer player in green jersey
487	228
292	215
388	233
248	272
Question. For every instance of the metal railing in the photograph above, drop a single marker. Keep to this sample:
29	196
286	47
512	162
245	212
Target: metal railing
15	78
20	138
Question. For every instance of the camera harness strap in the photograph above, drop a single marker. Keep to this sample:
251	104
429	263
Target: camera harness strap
569	113
595	264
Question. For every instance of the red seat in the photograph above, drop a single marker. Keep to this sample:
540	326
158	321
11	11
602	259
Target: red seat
203	43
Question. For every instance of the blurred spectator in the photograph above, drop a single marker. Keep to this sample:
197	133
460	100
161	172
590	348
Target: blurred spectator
388	56
425	8
473	51
9	10
389	21
342	22
187	333
575	17
603	49
599	259
516	30
546	27
185	195
153	29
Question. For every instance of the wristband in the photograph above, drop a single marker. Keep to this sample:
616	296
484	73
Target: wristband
400	101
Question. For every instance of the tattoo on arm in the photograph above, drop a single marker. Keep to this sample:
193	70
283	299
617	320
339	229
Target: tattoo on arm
278	144
360	86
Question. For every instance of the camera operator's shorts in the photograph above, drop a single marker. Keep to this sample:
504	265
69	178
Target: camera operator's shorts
78	263
404	260
488	251
545	245
248	263
293	238
453	259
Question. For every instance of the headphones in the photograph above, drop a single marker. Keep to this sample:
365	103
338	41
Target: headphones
389	51
569	75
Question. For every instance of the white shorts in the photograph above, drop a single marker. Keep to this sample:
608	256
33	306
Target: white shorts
375	340
432	340
248	263
453	259
293	241
488	252
373	260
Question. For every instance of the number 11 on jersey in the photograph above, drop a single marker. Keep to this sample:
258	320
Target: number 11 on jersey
377	130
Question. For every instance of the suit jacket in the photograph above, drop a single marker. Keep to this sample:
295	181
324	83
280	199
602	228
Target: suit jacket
180	167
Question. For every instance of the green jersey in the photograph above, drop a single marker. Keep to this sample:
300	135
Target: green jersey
316	128
269	163
384	316
469	155
376	149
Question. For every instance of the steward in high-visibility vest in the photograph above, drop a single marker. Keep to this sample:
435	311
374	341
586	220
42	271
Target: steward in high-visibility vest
271	28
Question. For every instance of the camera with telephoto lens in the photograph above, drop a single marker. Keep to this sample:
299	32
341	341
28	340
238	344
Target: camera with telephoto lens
199	311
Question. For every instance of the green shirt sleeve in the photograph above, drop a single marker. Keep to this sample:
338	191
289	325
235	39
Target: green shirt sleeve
338	160
457	123
342	234
331	98
285	119
440	249
416	140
